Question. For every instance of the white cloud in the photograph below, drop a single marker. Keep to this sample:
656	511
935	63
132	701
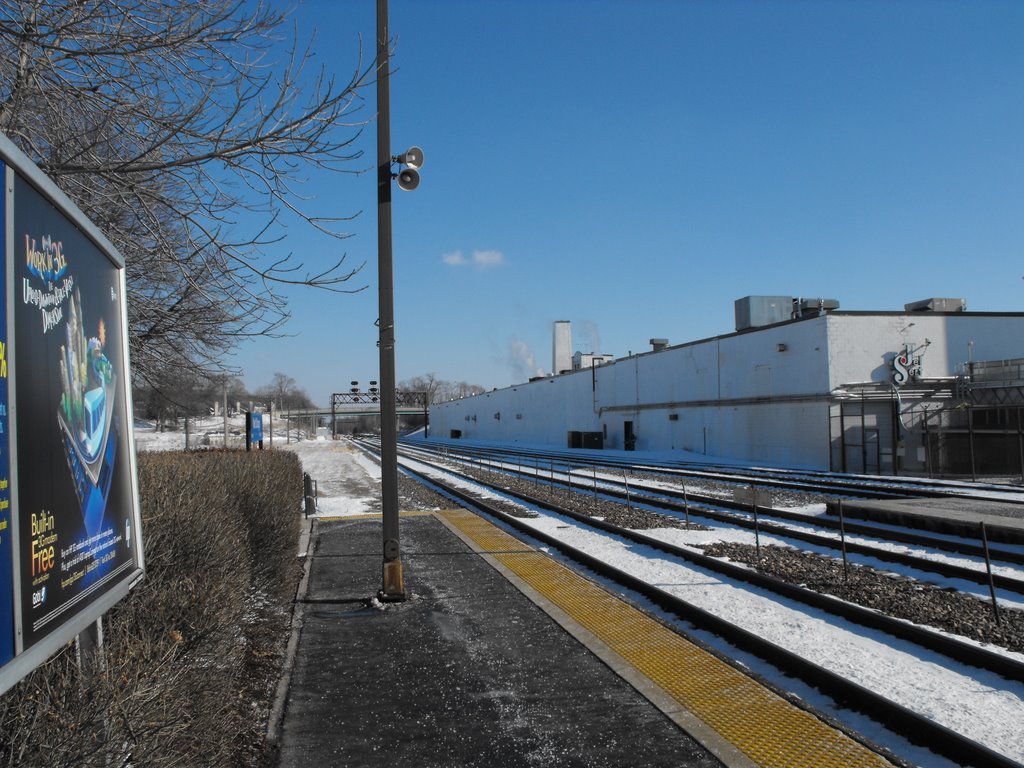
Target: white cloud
487	259
480	259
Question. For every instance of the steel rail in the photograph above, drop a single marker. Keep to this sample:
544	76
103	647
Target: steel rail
959	547
864	486
964	653
703	504
915	727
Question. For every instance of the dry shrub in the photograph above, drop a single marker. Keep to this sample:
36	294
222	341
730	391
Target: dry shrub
191	654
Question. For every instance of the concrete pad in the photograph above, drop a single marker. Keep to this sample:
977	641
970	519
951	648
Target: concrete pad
466	672
1004	522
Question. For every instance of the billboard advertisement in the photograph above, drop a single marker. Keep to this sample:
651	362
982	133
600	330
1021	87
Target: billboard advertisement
6	528
69	479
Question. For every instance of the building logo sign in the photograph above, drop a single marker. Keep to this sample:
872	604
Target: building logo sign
905	366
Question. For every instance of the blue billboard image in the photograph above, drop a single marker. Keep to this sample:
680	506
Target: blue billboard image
87	378
75	471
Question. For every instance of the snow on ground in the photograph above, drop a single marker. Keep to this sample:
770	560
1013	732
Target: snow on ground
202	432
208	432
979	704
347	482
1013	491
726	533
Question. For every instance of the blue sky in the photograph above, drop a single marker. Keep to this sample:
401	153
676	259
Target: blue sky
635	167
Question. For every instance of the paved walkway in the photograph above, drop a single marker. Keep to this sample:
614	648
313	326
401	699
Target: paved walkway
500	657
466	672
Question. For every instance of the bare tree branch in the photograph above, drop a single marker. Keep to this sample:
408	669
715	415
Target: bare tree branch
175	126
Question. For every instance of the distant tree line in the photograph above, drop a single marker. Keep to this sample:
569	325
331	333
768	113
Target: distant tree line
191	394
439	390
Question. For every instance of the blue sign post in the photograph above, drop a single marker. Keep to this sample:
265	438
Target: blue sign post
253	430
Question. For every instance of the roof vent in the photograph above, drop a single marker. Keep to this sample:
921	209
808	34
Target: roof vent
813	307
937	305
658	344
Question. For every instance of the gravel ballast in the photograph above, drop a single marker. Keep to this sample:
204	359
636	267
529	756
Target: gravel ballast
916	601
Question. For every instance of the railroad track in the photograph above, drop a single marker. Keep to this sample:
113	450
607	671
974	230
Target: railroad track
895	716
745	514
963	652
830	483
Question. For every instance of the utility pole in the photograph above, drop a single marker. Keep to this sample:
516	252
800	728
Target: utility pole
225	413
393	588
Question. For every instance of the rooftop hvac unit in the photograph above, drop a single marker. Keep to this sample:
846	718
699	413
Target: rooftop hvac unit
813	307
937	305
758	311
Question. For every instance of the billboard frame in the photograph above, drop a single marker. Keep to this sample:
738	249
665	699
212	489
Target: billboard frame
15	164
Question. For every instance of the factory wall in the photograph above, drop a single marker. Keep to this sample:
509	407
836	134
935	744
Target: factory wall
536	412
707	397
862	346
761	395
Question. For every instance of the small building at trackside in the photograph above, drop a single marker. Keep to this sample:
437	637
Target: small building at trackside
931	389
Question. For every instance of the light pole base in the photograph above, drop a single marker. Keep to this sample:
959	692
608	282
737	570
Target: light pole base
393	590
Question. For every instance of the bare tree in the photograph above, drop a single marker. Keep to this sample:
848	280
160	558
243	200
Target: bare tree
181	132
462	389
285	393
439	390
174	392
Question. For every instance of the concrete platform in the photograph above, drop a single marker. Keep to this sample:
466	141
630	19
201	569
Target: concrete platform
503	657
466	672
1004	522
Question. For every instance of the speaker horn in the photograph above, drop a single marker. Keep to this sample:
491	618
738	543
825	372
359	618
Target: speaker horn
412	157
408	179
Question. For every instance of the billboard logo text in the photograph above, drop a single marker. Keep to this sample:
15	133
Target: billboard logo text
45	260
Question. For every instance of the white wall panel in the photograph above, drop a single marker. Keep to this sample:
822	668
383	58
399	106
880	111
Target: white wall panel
757	396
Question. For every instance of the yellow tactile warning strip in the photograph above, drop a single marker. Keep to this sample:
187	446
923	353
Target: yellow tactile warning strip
370	516
764	727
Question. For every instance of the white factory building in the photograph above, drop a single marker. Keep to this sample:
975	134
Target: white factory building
799	383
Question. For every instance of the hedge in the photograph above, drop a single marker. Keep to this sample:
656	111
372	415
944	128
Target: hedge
192	654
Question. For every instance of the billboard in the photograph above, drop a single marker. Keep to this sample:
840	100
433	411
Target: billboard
6	527
75	546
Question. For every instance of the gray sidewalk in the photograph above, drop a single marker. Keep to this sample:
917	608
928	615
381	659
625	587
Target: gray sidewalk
466	672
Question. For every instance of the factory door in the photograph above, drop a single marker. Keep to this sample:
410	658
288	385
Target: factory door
863	437
628	436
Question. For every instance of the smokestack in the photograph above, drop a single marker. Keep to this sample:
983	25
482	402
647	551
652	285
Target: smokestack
561	359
